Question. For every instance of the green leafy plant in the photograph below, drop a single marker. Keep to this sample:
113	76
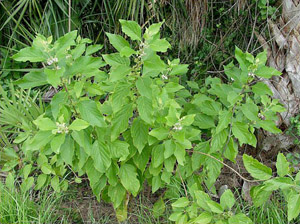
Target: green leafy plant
266	9
294	129
286	182
133	122
186	211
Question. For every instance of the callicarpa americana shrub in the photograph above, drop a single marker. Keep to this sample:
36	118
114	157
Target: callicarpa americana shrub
127	118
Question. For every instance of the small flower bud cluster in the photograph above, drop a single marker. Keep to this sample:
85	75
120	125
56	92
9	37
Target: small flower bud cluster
251	74
51	60
261	116
62	128
177	126
165	77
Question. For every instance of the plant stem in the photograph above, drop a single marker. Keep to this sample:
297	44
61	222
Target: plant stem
69	27
243	178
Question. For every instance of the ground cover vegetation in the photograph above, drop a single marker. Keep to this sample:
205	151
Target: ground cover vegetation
125	112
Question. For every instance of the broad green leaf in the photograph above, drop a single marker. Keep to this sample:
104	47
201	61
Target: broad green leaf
87	65
46	168
139	133
256	169
93	49
145	109
120	121
233	97
32	79
32	54
261	88
128	176
117	194
78	125
180	154
152	30
153	65
204	121
117	41
41	180
213	169
227	200
57	101
112	172
232	72
240	57
160	133
65	42
170	147
26	170
131	29
261	58
119	72
100	154
215	207
160	45
282	165
157	155
259	195
242	133
53	76
218	141
127	52
41	139
282	183
156	182
55	184
166	176
27	184
173	87
143	85
203	218
179	69
90	113
119	150
239	219
202	199
115	59
187	120
97	180
231	151
159	208
78	50
181	203
293	205
141	160
121	91
78	86
250	110
197	159
57	142
210	108
269	125
267	72
224	120
44	124
67	150
175	216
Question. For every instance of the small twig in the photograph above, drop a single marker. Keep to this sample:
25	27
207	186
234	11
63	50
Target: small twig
185	191
70	98
212	157
69	27
3	175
